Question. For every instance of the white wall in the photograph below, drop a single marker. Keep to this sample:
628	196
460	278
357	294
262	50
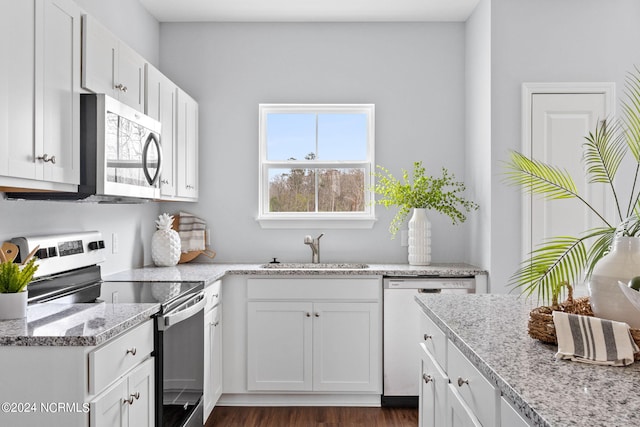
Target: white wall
133	224
413	73
478	129
546	41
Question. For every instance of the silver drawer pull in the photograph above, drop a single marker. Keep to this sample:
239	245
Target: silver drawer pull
427	378
216	323
462	382
132	350
317	314
427	337
215	295
122	88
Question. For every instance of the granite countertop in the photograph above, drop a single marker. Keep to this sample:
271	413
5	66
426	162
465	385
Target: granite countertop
210	272
52	324
55	324
491	330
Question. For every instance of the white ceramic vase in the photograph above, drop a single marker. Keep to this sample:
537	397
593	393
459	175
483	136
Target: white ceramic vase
621	264
419	238
13	305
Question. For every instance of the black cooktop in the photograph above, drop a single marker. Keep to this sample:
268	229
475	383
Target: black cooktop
164	293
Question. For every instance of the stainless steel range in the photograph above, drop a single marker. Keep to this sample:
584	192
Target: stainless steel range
69	272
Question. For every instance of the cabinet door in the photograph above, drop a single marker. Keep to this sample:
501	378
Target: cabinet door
458	413
60	92
99	57
346	347
130	77
187	141
432	391
160	103
17	90
109	409
141	395
212	360
279	346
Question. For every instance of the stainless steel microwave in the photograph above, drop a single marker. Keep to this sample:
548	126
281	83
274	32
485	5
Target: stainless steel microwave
120	150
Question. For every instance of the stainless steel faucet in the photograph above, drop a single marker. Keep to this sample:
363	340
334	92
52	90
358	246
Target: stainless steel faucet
315	247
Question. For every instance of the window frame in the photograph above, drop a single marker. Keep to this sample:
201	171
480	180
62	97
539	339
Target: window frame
364	219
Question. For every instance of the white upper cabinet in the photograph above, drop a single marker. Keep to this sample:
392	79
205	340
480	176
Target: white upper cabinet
110	66
40	94
161	104
187	140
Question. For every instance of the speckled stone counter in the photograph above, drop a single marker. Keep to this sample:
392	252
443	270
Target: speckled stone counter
210	272
491	330
51	324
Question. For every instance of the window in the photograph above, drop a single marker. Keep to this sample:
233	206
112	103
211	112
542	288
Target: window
315	165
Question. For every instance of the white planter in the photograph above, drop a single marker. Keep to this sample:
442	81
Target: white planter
13	305
419	238
621	264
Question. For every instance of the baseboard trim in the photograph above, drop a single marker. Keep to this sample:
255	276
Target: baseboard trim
261	399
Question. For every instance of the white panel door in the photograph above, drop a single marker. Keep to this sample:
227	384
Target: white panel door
346	347
554	132
279	346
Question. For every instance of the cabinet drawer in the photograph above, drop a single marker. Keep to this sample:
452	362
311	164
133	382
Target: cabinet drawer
509	416
109	362
476	391
434	340
212	295
314	288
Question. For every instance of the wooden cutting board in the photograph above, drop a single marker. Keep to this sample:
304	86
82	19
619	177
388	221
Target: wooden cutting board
8	252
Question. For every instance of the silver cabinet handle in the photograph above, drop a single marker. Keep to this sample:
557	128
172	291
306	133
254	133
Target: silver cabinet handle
121	87
165	181
427	378
216	323
308	314
462	382
132	350
427	337
45	158
132	398
317	314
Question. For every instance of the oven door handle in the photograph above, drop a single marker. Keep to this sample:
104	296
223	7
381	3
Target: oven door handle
181	313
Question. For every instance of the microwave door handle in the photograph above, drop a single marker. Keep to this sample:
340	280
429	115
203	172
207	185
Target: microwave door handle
145	153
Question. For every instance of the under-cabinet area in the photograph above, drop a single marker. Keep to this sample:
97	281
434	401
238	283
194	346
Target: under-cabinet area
296	340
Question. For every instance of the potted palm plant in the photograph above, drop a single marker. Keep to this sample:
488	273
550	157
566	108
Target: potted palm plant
564	260
420	193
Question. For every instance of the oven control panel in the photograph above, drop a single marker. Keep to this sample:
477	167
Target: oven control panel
62	252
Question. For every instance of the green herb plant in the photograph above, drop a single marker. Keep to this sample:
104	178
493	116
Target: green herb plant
442	194
565	259
14	277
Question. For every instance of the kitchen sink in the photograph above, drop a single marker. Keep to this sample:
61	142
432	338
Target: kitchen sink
321	265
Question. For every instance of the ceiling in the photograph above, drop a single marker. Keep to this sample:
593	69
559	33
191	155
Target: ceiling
309	10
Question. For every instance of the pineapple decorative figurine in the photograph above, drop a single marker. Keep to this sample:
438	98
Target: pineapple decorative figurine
165	243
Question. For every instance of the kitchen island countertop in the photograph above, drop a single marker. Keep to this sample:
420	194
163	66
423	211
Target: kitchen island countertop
491	331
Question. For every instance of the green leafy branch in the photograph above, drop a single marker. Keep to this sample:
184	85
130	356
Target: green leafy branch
442	194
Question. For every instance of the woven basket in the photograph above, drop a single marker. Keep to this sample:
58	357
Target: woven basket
541	325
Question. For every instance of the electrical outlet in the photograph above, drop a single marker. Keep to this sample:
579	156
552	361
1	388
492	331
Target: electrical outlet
114	243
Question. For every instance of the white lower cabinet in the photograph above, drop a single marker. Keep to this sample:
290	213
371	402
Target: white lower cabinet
301	340
212	349
432	391
459	414
129	402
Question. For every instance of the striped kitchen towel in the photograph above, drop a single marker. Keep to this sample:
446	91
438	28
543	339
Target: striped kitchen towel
192	232
593	340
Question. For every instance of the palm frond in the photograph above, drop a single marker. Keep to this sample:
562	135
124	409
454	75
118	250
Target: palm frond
631	113
560	259
537	177
599	248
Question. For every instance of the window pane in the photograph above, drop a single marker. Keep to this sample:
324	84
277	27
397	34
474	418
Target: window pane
292	190
342	136
291	136
341	190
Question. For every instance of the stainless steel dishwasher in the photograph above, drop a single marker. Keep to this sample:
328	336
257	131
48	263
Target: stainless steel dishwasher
401	326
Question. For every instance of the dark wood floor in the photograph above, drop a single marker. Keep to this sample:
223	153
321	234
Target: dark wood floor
312	417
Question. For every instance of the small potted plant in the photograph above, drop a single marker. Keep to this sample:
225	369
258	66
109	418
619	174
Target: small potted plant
14	279
420	193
